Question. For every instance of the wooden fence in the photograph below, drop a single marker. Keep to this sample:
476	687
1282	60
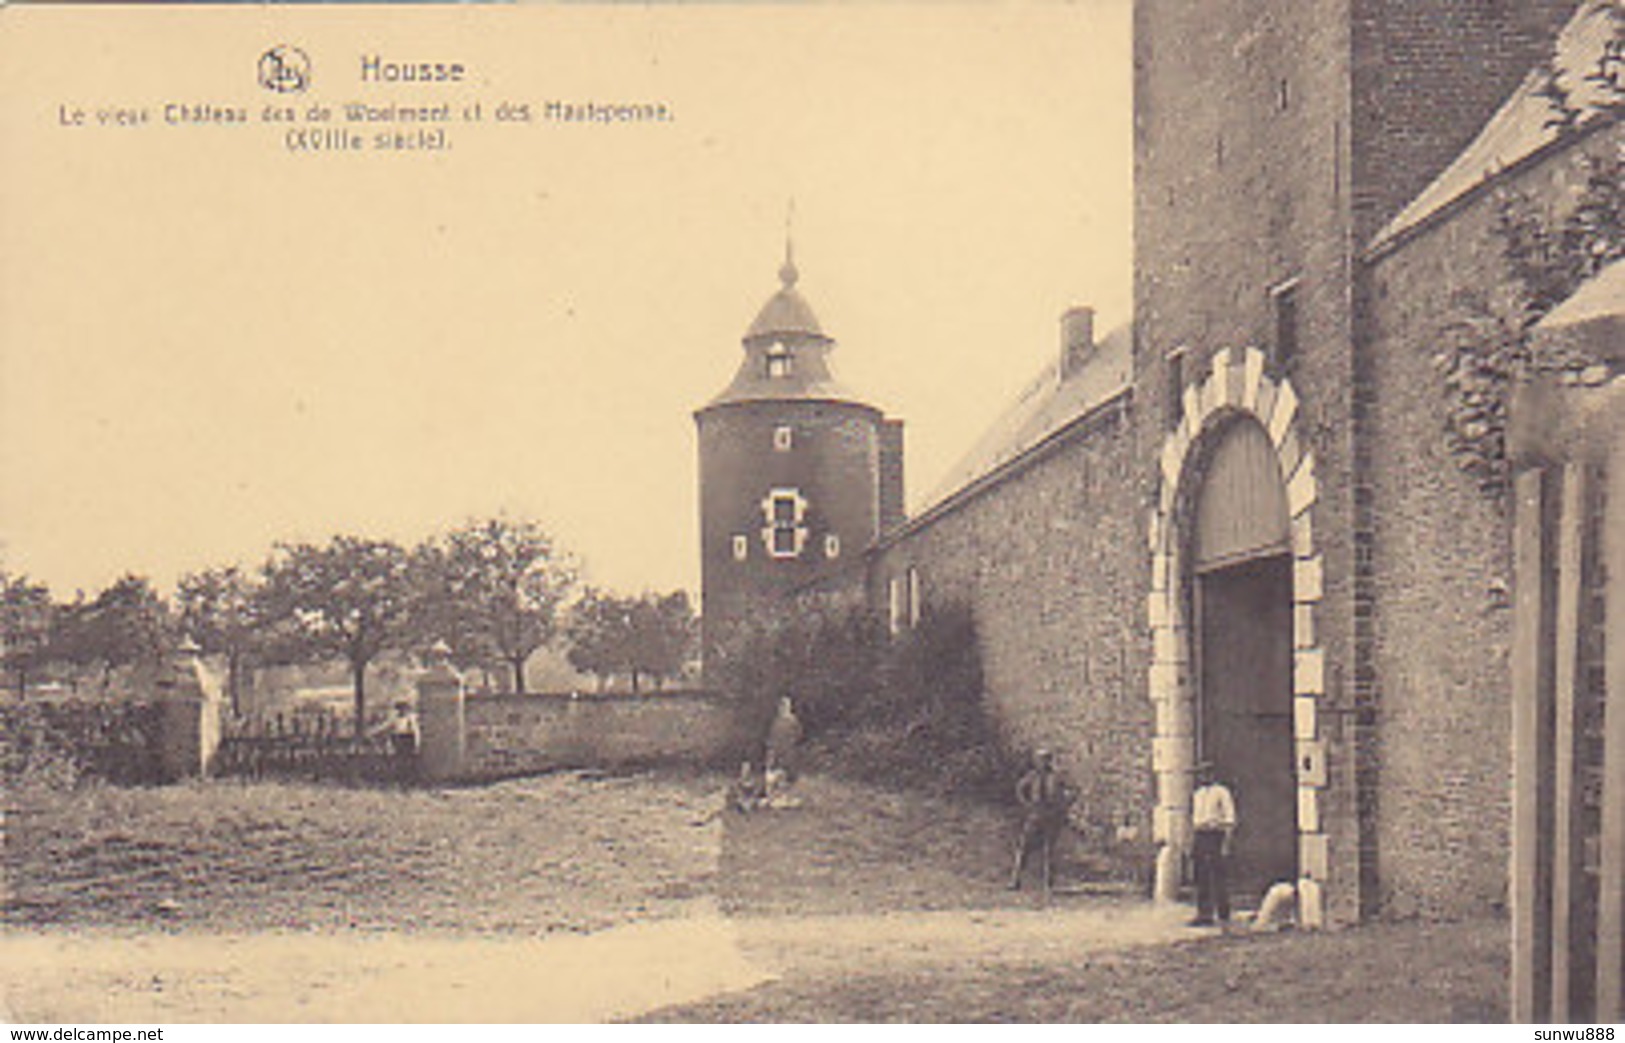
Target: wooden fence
310	746
1568	857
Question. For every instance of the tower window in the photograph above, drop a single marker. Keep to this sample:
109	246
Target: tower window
1284	302
783	439
1175	389
832	546
913	597
785	531
895	604
741	548
778	361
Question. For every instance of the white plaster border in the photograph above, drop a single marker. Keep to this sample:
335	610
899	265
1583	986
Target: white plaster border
1237	385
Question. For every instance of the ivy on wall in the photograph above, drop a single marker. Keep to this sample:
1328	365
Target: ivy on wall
1549	251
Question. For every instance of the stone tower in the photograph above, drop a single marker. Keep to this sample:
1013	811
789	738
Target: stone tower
798	476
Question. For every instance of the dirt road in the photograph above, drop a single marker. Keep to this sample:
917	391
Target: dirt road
620	973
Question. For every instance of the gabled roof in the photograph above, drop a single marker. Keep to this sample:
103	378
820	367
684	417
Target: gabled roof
1586	77
1047	404
1599	297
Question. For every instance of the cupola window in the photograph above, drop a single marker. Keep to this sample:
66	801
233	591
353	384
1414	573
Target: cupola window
778	361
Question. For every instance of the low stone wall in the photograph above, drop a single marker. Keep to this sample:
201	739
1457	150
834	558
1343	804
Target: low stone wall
472	737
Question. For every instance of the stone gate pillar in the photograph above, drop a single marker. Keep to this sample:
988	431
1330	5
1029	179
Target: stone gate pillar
188	716
442	721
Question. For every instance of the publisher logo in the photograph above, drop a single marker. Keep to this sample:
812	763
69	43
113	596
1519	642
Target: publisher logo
284	69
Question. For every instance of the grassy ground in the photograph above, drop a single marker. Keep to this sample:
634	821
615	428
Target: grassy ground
867	905
852	848
554	853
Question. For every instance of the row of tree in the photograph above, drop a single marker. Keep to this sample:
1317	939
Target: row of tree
494	591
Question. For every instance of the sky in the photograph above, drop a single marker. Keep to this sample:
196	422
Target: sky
210	343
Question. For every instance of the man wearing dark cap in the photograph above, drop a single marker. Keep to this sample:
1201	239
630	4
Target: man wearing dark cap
1044	799
1213	817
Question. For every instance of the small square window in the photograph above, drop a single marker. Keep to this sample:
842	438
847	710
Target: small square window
783	439
832	546
741	545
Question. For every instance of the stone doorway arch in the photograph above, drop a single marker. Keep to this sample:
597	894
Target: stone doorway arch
1236	389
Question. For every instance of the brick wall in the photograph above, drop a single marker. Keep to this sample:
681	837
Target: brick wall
1050	559
834	461
1242	183
515	735
1427	75
1443	623
1270	139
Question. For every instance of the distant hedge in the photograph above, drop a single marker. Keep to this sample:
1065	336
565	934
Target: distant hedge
59	744
903	710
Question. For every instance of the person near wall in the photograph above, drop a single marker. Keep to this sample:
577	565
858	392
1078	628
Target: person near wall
748	790
1213	818
783	739
1044	799
402	728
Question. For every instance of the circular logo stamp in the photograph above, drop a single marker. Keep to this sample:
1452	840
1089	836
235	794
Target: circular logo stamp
285	69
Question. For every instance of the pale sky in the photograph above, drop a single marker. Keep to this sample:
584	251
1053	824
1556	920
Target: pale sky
209	343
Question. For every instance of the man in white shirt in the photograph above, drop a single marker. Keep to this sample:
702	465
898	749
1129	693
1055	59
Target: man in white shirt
1213	815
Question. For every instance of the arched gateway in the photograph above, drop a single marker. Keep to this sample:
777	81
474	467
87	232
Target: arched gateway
1236	674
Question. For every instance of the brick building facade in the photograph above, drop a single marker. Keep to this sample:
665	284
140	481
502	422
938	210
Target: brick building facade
1236	534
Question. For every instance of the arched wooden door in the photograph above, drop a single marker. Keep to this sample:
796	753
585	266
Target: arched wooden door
1242	588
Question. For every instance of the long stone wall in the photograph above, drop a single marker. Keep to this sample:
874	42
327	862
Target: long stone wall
473	737
1049	560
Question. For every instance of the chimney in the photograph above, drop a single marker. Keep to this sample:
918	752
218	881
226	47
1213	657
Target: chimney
1077	338
892	513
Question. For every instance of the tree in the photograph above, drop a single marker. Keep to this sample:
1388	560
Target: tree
127	623
351	597
492	591
222	610
651	635
25	626
663	632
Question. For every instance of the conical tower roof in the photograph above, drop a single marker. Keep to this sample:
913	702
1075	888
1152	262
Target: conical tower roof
786	313
786	352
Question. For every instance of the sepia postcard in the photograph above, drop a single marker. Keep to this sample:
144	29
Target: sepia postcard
696	513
